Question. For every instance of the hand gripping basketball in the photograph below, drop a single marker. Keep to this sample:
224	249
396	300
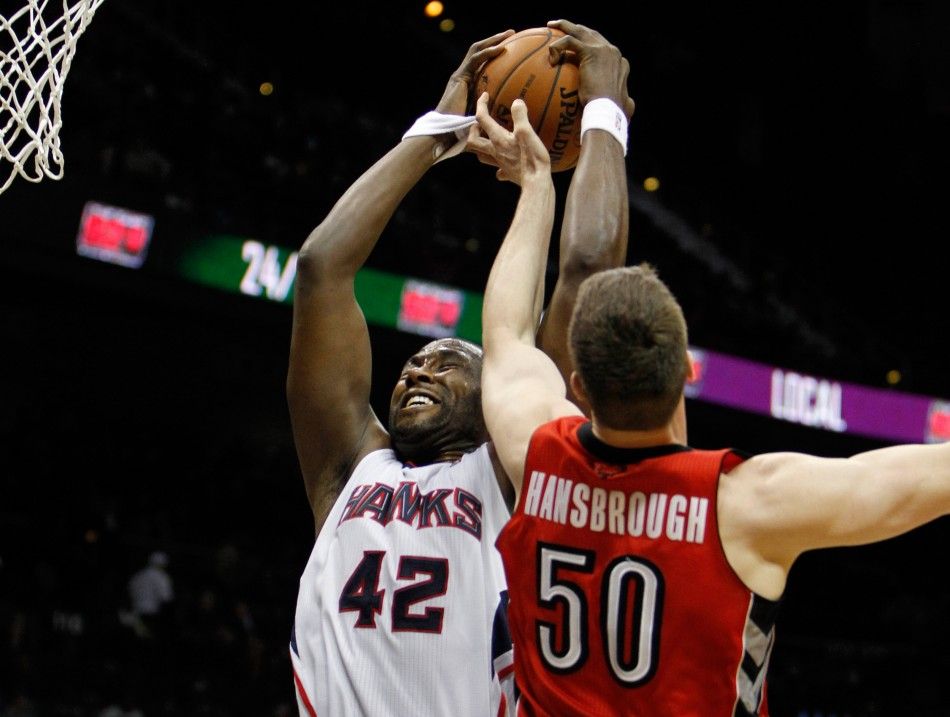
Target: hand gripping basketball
517	153
547	84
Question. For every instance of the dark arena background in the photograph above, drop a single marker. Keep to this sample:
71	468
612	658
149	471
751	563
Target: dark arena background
788	178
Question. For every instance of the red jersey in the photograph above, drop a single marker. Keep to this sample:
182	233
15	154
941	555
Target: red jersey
621	598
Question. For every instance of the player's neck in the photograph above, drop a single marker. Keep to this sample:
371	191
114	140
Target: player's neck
444	457
450	456
628	438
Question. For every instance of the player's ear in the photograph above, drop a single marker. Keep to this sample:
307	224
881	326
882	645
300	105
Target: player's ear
580	395
690	367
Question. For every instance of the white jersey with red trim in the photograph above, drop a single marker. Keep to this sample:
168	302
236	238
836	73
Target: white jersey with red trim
402	605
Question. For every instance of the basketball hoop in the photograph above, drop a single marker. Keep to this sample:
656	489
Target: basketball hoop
37	44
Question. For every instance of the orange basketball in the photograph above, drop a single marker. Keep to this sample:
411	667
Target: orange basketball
549	91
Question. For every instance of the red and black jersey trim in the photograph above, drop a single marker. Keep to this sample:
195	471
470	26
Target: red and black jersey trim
622	456
757	642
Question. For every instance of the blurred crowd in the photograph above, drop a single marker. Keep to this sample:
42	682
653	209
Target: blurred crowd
167	589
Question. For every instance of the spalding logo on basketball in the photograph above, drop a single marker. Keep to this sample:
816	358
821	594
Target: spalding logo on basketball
549	92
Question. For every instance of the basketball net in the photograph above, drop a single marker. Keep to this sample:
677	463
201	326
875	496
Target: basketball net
37	44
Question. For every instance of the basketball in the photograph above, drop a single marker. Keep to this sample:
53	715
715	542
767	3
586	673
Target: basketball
549	91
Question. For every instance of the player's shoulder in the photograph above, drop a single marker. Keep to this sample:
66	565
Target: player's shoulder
562	427
376	459
767	478
479	462
771	465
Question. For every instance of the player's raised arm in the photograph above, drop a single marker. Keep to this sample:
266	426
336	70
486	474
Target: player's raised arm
780	505
328	382
596	212
521	386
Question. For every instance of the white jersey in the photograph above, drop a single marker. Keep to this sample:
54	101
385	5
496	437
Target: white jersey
402	606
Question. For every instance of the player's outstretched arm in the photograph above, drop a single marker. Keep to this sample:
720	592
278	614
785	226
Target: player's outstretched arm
328	381
596	212
521	386
783	504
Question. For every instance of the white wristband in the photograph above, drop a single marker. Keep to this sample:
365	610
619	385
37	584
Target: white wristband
436	123
603	113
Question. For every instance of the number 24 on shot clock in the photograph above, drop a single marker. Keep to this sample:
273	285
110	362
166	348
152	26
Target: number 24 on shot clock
265	275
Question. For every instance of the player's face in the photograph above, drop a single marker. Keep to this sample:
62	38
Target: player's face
437	399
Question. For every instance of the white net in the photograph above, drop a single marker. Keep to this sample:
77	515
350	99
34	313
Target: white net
37	44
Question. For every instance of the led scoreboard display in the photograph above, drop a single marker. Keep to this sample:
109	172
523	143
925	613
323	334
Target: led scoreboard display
252	268
238	264
817	402
113	234
249	267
